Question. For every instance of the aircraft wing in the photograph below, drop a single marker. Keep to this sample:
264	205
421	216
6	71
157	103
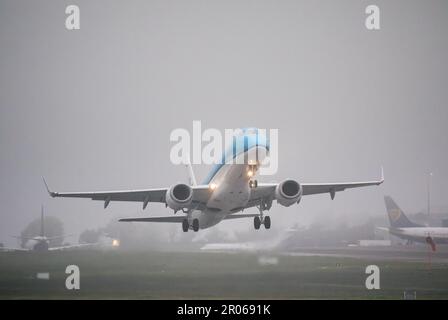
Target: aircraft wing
332	188
60	237
201	194
75	246
267	190
23	238
5	249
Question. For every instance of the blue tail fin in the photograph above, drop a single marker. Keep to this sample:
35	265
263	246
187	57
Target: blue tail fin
397	218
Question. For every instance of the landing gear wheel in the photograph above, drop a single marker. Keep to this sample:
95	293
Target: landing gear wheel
257	223
267	222
195	225
185	225
253	183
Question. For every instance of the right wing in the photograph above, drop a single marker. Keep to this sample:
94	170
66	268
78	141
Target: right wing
201	194
266	191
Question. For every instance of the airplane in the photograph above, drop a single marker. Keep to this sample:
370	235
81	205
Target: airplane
229	188
41	243
404	228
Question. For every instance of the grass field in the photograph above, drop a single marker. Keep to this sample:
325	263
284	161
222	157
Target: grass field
200	275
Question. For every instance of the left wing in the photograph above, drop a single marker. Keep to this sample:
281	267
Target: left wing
267	190
201	194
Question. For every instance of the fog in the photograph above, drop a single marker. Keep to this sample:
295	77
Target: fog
93	109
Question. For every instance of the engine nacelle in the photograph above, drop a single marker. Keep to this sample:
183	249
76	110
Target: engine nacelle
288	192
179	196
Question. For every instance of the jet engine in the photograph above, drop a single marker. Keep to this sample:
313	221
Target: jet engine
179	196
288	192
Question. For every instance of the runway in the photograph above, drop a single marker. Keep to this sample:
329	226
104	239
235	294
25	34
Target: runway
332	273
410	253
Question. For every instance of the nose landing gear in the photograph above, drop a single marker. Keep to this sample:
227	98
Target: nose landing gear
251	170
253	183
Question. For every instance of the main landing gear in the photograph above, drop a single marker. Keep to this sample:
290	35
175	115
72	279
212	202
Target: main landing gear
186	225
258	222
261	219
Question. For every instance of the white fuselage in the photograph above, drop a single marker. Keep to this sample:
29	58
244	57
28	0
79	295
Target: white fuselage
38	243
420	234
231	193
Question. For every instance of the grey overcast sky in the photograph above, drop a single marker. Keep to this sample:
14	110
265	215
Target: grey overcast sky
92	109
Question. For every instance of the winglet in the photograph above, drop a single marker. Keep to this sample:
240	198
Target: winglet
382	175
51	193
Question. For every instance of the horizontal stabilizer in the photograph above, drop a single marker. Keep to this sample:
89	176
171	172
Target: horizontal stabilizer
179	219
172	219
237	216
23	238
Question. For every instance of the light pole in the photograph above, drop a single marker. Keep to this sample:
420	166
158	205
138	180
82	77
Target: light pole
429	193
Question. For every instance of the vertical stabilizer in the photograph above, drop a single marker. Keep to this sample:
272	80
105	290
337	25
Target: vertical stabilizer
42	230
191	177
396	216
